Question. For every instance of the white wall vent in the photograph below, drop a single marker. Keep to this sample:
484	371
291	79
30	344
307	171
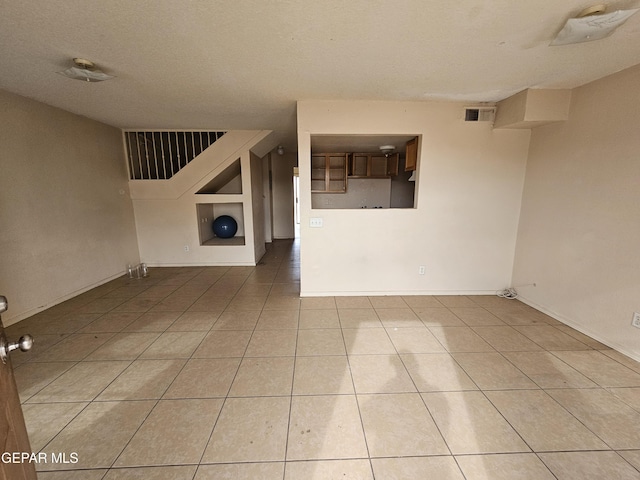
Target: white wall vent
479	114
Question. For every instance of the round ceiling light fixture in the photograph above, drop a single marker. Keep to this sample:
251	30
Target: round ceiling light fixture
86	71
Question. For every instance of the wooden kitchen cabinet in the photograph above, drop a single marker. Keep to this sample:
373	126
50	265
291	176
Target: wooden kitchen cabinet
329	172
373	165
411	155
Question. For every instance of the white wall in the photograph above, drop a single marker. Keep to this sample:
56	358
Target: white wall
579	234
464	228
67	220
168	217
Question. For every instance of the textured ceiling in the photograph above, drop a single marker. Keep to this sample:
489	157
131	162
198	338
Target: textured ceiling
219	65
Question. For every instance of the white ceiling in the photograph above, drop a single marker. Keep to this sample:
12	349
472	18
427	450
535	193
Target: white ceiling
242	64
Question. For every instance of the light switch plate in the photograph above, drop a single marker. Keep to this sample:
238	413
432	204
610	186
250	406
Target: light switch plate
315	222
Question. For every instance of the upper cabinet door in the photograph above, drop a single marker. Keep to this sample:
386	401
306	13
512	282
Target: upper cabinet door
412	155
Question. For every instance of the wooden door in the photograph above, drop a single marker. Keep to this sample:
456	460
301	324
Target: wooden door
15	463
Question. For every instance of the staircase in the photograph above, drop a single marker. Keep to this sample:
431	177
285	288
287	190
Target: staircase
160	155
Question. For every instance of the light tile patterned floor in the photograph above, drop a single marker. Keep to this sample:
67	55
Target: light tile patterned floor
226	373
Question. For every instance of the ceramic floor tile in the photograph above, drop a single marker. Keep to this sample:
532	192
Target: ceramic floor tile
359	318
204	378
33	377
437	372
174	303
550	338
98	434
364	341
194	322
591	465
603	370
623	359
278	319
325	427
240	304
582	337
399	425
245	320
611	419
175	432
380	374
438	317
184	472
456	301
250	430
322	375
319	319
630	396
460	339
213	305
421	301
476	316
414	340
272	343
491	371
548	371
174	345
81	383
470	424
506	339
255	290
398	318
153	322
223	343
138	304
124	346
390	301
542	422
97	474
111	322
314	303
282	302
325	341
45	420
519	466
406	468
158	291
631	456
143	380
353	302
241	471
268	376
516	316
329	469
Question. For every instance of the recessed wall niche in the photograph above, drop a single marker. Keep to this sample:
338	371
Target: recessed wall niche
208	212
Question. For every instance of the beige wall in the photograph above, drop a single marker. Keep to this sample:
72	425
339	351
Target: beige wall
579	234
67	219
282	194
464	228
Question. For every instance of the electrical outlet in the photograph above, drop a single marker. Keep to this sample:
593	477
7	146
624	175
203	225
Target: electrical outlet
186	248
636	319
421	270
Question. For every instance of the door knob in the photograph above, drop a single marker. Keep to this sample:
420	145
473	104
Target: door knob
24	344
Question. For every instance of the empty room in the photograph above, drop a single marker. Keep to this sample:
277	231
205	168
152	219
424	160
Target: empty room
297	240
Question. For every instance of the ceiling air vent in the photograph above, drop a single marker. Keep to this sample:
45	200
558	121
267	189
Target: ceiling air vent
479	114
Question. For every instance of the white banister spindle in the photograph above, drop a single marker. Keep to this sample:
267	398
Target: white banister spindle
166	154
